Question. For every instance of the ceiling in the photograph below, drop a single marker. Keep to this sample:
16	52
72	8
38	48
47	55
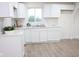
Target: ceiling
50	2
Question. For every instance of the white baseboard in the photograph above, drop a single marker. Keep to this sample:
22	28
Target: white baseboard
49	41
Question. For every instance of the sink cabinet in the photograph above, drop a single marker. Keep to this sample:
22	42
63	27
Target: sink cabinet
33	35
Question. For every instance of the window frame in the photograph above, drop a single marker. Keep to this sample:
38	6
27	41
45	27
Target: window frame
35	14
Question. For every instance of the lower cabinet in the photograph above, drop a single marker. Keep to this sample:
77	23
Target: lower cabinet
42	34
54	34
35	35
12	46
31	35
27	35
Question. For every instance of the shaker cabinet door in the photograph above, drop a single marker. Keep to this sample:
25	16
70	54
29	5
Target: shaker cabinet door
35	35
27	35
43	36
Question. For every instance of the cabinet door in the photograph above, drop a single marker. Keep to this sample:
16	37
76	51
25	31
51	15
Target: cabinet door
4	9
13	9
35	35
1	47
51	10
43	35
46	10
53	34
12	46
21	10
55	10
27	35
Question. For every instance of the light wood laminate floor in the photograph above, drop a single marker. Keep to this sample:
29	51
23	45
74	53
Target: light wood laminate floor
63	48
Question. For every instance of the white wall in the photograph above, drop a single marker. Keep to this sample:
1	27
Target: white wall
26	14
37	4
51	22
7	22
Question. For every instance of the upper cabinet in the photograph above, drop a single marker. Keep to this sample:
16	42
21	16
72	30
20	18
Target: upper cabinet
66	6
76	9
5	10
12	10
55	10
46	10
21	10
51	10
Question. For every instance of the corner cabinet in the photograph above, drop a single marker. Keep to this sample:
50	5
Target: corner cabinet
6	9
51	10
12	10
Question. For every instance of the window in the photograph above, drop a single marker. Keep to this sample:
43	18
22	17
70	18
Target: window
34	14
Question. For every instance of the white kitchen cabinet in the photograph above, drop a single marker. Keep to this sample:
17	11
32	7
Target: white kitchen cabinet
6	9
54	34
66	6
55	10
21	10
51	10
12	46
27	35
43	35
12	9
47	10
35	35
31	35
1	47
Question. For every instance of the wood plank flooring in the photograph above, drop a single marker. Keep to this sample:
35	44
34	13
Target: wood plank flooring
63	48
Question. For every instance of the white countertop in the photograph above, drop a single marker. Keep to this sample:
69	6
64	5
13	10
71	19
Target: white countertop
20	31
37	27
14	33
